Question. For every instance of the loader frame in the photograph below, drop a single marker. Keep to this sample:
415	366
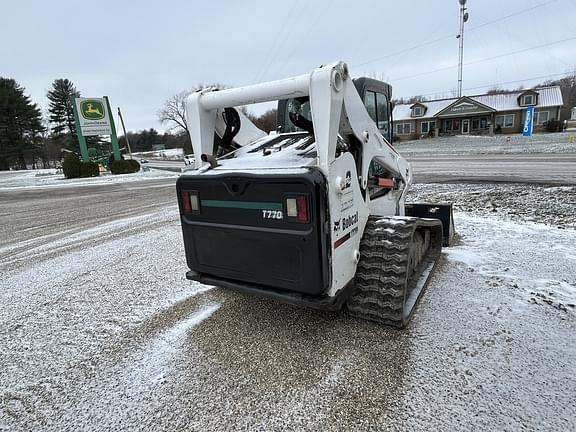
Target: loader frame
338	114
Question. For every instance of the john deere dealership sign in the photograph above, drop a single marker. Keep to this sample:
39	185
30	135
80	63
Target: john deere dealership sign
93	116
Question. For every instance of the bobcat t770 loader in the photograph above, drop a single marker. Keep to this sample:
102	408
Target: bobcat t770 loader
314	214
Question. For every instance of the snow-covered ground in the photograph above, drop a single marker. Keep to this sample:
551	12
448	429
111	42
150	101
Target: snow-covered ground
168	154
563	142
100	330
51	178
532	258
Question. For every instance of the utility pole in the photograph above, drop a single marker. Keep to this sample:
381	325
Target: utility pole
463	19
125	134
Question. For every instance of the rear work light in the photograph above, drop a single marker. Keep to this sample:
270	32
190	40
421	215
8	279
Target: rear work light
297	208
190	202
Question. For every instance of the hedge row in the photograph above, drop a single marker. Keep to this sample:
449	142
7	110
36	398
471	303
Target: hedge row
73	167
124	166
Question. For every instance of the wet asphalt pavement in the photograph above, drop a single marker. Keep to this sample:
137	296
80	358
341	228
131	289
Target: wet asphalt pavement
99	330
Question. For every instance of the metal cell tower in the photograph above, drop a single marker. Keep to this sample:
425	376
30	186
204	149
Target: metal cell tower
463	19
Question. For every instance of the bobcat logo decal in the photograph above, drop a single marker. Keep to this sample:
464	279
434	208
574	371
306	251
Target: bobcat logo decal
337	225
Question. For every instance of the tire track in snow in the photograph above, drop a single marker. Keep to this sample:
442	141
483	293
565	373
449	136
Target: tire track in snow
135	383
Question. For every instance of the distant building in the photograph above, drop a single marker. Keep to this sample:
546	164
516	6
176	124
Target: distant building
570	125
477	115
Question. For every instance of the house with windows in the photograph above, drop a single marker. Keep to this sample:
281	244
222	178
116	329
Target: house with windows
481	114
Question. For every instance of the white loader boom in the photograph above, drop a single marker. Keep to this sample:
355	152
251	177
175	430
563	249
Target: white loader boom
336	108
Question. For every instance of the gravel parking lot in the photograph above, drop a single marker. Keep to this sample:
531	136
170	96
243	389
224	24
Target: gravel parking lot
551	205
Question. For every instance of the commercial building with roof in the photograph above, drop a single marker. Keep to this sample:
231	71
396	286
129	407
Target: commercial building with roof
481	114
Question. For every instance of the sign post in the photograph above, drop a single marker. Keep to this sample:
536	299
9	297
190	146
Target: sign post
81	139
93	117
125	134
113	137
528	122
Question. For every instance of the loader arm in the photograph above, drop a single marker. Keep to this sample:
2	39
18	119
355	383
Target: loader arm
336	109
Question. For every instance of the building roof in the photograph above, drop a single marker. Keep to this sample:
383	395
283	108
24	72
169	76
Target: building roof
548	97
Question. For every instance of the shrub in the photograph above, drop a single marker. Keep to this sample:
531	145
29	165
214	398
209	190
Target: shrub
552	125
89	169
110	160
124	166
134	164
498	129
71	166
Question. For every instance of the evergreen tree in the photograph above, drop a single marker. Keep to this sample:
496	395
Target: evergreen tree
61	112
20	126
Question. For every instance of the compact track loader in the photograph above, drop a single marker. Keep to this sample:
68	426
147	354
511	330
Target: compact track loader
315	213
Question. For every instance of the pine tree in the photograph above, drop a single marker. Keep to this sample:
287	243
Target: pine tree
20	126
61	112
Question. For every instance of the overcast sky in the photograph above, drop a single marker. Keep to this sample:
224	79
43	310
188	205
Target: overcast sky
140	53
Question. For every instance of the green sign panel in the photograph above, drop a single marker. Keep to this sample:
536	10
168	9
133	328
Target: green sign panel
92	109
92	117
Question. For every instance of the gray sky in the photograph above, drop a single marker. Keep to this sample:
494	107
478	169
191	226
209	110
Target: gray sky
141	53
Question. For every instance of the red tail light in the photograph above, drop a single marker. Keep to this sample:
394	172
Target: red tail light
186	202
190	202
302	204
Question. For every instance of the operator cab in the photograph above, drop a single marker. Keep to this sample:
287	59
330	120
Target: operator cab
294	114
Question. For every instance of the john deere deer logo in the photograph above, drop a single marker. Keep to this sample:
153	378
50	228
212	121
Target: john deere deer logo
92	110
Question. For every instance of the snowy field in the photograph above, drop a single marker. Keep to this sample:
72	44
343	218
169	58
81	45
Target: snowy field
563	142
101	331
51	178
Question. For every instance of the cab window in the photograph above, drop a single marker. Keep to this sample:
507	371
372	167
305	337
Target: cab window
370	103
287	125
382	113
377	107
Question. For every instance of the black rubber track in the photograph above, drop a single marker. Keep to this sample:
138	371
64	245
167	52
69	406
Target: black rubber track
398	255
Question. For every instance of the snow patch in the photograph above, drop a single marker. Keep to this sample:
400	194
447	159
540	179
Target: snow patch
40	179
39	246
154	362
466	256
533	258
559	189
176	153
558	294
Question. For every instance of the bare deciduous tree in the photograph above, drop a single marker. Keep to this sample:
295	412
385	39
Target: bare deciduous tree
174	111
266	121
